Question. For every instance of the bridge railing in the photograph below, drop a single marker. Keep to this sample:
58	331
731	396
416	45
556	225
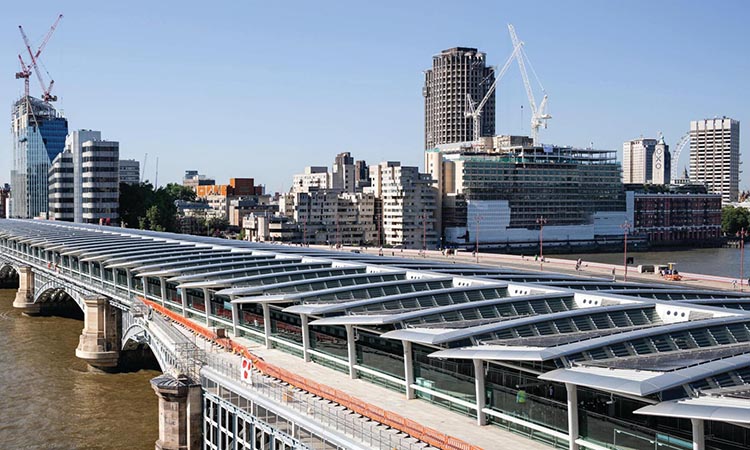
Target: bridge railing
425	434
322	411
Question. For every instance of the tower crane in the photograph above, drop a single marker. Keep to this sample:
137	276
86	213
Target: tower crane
143	166
475	112
539	115
681	144
26	69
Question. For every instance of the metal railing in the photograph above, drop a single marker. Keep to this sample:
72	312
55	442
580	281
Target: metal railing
326	413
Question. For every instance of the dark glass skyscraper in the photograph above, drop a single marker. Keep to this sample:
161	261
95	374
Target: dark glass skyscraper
38	132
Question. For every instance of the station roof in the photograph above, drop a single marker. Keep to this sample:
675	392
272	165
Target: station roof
631	338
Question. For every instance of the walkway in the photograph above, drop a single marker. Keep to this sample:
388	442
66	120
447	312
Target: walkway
453	424
559	265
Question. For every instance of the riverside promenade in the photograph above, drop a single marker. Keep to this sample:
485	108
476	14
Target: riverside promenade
560	265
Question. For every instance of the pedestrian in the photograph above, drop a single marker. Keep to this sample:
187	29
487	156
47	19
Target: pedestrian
734	285
614	278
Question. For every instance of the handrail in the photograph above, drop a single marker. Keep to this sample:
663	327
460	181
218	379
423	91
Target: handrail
427	435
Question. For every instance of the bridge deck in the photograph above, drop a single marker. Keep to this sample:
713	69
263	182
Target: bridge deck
453	424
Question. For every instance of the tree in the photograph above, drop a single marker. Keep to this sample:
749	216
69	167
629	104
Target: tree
734	219
134	201
149	209
180	192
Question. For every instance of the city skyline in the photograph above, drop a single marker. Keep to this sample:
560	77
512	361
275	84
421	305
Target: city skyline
339	78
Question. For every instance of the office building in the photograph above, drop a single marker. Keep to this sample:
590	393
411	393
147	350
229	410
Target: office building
84	180
715	156
4	201
646	161
130	171
407	210
61	192
193	179
497	196
100	180
457	74
74	145
38	135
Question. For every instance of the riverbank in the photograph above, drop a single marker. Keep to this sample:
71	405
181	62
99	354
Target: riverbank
567	264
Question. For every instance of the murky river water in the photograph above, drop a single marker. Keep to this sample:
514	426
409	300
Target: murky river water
723	262
50	400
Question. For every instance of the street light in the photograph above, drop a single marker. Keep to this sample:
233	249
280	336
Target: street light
541	221
742	235
626	226
476	250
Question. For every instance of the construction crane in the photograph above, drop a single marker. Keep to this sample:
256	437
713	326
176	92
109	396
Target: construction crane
143	166
539	115
26	69
681	144
475	112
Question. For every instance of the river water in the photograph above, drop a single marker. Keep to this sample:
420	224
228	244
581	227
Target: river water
49	399
724	262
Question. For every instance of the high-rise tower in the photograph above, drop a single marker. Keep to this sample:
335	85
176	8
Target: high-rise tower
715	156
455	73
38	133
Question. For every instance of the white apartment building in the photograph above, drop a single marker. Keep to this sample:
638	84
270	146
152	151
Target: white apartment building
314	177
344	174
407	205
100	181
333	217
715	156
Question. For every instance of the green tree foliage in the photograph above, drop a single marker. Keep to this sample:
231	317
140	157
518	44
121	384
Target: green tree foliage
734	219
143	207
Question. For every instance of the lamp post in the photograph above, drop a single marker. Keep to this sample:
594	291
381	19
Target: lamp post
541	221
476	238
424	234
625	226
742	235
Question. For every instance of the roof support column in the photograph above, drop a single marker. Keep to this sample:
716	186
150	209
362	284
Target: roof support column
183	297
480	391
699	434
128	281
305	337
573	432
351	351
408	369
235	316
267	323
163	285
206	306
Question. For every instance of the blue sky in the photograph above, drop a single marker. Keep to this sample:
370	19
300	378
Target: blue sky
262	89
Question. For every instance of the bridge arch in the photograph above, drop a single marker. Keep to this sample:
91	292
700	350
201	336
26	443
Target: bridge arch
8	268
53	292
136	334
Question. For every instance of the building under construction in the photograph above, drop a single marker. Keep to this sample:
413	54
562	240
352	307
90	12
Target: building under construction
502	192
38	133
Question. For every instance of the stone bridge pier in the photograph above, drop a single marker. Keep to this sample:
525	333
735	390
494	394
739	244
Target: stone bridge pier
180	412
99	344
25	296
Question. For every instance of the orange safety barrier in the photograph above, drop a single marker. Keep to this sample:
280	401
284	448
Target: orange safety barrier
425	434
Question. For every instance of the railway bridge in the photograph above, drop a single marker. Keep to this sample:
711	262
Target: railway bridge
274	347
